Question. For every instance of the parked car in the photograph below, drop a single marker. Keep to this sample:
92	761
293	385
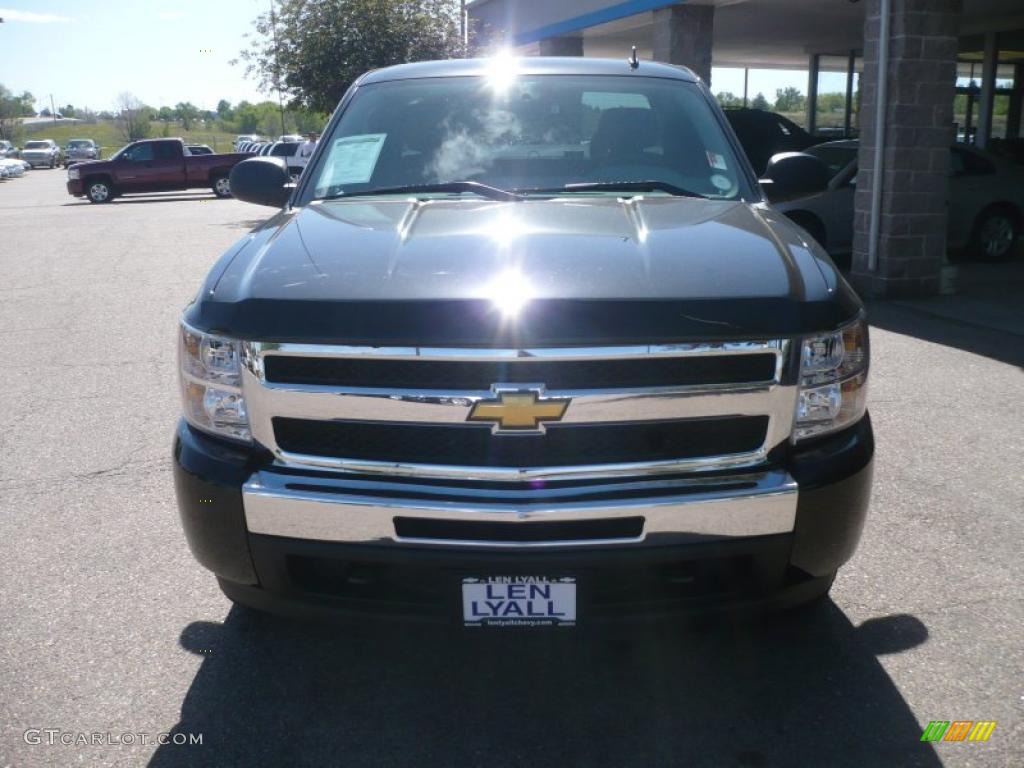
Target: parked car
153	165
15	168
7	149
986	202
199	149
764	134
522	377
79	150
288	138
42	153
4	172
289	151
1011	149
245	137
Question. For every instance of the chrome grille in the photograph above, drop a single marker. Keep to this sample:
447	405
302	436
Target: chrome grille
646	392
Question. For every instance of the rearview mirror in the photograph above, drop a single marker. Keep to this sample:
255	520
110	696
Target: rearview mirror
262	180
794	174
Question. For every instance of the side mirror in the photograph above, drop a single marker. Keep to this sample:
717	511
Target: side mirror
794	174
262	180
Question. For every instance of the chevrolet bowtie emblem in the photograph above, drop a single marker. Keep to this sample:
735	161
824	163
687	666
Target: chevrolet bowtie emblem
519	410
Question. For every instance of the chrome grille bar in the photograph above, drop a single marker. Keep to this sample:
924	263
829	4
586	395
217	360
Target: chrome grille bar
774	398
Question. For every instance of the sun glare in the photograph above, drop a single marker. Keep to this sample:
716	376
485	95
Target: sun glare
502	70
509	292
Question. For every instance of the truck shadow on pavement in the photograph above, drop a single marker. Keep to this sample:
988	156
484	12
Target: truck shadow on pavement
801	690
178	197
993	343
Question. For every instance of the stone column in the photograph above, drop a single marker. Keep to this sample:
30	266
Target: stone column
561	46
919	130
1016	101
683	35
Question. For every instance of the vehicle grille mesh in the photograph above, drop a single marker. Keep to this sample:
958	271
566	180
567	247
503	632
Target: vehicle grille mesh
563	445
555	374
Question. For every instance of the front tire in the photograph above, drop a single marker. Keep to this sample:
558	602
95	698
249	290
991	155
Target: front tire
995	235
222	186
99	191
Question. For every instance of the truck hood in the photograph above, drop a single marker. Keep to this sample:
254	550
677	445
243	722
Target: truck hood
715	268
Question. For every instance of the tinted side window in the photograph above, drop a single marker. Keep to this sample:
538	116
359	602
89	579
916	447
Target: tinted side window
836	158
166	151
969	164
140	153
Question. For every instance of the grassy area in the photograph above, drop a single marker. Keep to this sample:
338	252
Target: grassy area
106	134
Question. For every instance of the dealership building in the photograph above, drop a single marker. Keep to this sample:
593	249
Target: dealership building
929	50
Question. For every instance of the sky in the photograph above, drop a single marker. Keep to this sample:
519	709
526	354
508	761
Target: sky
86	52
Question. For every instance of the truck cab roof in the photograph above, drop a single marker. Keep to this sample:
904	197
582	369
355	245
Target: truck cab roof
531	65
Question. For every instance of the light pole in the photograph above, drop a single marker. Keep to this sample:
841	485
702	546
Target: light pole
277	65
53	110
464	24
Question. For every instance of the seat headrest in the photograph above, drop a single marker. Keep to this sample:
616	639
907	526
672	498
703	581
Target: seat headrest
624	131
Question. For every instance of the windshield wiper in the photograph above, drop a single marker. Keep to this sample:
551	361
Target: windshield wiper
619	186
484	190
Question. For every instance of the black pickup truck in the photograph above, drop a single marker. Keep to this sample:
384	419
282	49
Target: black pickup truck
525	346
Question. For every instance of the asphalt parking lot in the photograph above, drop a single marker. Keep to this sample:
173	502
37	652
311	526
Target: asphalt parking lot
108	625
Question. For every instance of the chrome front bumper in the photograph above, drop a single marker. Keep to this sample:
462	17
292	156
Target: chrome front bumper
673	510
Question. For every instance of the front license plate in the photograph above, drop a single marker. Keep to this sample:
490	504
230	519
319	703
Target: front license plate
518	601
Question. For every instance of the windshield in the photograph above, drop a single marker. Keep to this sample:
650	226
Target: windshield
284	149
79	143
36	145
536	132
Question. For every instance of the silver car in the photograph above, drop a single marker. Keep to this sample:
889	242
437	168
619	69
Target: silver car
42	153
986	202
12	167
79	150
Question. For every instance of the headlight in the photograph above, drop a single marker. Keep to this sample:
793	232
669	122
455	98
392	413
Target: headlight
833	380
73	173
211	384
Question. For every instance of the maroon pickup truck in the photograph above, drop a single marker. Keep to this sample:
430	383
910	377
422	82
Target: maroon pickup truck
154	165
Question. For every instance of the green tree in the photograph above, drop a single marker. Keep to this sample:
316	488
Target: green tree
760	102
11	108
133	117
247	118
321	46
789	99
187	113
165	114
832	102
224	111
729	99
307	121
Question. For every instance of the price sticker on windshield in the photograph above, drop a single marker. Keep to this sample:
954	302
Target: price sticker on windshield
353	159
